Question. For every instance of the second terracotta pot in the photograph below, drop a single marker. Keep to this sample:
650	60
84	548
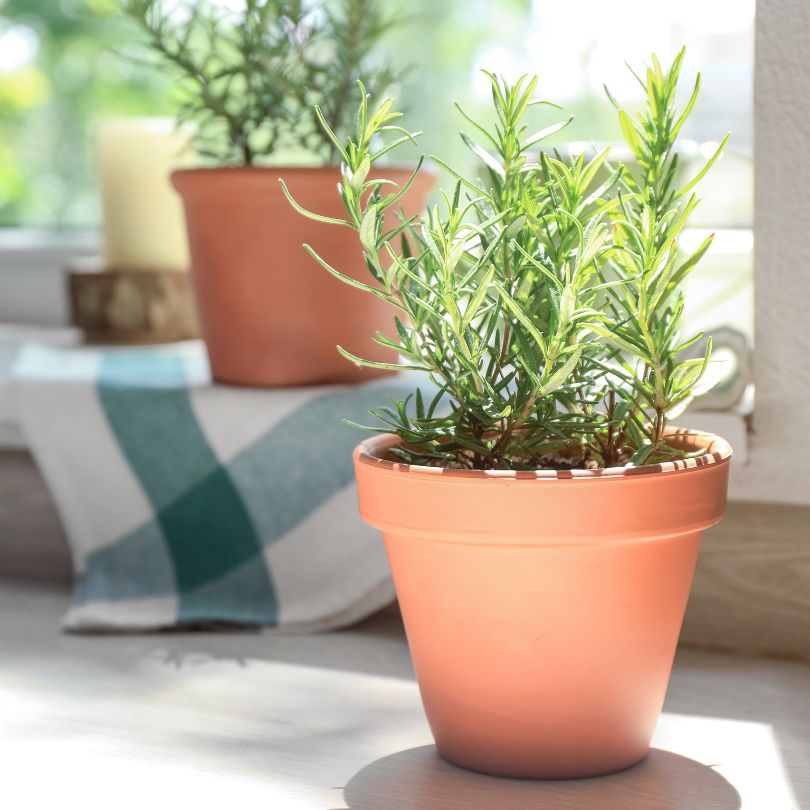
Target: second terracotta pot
543	609
270	315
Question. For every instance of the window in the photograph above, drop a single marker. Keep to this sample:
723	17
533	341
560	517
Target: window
61	73
576	46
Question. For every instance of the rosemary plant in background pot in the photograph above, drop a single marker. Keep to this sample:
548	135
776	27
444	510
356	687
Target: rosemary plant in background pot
270	83
541	515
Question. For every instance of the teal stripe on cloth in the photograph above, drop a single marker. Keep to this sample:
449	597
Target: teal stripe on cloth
137	566
150	413
287	474
207	529
240	595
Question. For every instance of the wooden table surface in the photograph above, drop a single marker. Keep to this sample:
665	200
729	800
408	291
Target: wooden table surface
334	721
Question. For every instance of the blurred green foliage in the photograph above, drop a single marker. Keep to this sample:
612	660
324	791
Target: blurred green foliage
49	106
79	76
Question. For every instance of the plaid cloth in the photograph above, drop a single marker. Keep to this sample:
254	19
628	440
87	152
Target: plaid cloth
188	503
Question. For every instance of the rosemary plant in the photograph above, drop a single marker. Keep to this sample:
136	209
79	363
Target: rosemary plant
250	79
543	301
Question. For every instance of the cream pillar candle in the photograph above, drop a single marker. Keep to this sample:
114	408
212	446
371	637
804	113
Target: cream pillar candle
143	216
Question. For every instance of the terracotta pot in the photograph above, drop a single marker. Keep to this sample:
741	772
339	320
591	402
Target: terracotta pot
270	315
543	609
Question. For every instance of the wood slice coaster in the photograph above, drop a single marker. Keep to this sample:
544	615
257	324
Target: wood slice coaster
131	306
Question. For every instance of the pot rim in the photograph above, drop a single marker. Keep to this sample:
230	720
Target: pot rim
718	451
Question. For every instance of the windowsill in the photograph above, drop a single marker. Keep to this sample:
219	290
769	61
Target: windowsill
731	426
33	240
31	277
32	284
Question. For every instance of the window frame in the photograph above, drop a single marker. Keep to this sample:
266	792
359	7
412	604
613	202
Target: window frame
772	442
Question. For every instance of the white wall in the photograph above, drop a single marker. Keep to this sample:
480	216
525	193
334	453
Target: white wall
779	450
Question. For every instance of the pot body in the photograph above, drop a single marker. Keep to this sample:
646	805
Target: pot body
270	315
542	611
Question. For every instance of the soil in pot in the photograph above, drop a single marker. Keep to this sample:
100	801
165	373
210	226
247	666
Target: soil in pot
270	315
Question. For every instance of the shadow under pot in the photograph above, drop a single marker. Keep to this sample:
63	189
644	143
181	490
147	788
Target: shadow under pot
270	315
543	609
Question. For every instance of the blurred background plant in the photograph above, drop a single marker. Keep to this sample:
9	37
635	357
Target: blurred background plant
250	77
62	71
